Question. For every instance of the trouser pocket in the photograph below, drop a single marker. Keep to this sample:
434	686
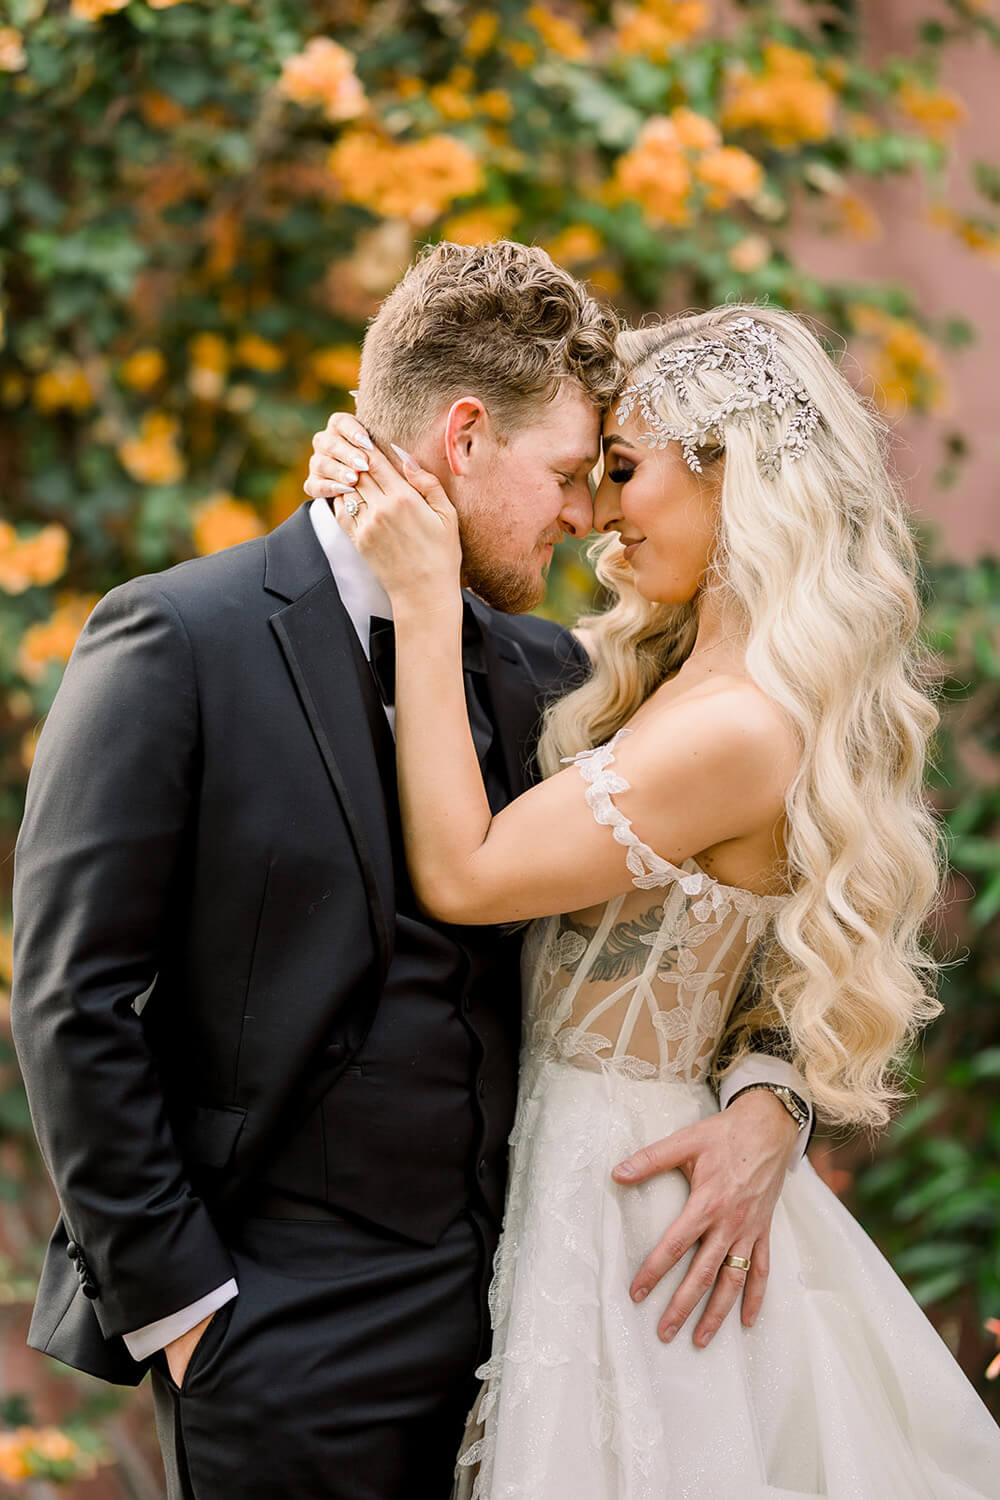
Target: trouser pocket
208	1345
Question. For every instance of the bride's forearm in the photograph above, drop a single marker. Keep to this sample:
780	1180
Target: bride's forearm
445	812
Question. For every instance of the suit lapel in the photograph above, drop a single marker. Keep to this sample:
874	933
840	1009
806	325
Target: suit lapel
515	694
315	633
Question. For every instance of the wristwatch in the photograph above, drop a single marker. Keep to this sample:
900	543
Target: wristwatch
796	1107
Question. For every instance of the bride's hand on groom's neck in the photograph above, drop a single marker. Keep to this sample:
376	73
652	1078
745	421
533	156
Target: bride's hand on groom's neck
406	529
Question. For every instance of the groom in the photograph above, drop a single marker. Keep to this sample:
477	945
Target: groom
274	1097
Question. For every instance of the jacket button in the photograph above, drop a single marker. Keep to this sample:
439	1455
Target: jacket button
89	1289
73	1250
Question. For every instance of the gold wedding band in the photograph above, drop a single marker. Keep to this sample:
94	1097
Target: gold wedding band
738	1262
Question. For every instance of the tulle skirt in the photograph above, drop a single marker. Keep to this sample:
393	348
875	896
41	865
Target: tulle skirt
842	1388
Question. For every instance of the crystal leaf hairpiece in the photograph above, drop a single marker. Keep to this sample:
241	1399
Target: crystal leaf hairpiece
751	362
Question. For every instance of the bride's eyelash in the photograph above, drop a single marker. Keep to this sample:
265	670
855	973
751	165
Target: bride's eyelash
620	476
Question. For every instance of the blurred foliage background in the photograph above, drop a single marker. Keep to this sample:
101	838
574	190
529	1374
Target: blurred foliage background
201	203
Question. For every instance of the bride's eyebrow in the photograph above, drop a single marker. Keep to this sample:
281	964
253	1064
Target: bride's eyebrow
612	437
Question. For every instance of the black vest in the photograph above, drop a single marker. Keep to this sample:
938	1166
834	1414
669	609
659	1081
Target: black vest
415	1129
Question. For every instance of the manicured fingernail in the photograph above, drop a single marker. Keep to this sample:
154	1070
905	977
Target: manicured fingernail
350	476
641	1294
668	1334
406	457
361	463
703	1339
624	1169
366	442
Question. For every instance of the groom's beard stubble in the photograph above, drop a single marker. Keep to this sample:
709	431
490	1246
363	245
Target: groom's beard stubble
512	586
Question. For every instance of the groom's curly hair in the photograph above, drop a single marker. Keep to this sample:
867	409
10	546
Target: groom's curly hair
500	321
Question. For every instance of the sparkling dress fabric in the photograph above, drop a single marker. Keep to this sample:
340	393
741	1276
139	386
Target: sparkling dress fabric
842	1389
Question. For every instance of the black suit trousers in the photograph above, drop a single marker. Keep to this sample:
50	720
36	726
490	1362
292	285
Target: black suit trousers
341	1371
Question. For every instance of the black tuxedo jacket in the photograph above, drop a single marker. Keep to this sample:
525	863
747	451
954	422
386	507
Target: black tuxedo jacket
205	830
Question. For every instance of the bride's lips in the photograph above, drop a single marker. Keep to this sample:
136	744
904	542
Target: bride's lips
631	548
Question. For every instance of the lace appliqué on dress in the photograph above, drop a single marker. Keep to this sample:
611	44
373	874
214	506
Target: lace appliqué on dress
633	995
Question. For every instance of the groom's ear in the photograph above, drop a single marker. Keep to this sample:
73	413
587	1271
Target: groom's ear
466	427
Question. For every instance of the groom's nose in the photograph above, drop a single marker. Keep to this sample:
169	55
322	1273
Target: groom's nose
577	513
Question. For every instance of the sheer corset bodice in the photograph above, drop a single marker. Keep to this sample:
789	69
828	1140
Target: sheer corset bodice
644	984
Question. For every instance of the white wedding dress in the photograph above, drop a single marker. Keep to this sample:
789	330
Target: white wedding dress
842	1388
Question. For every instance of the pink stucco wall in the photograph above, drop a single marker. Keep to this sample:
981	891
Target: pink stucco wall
948	279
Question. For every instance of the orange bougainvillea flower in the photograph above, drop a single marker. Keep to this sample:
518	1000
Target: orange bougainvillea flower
575	244
12	54
937	110
697	132
905	365
479	226
749	254
142	370
93	10
30	1450
13	1464
258	354
338	365
451	102
159	110
992	1325
558	33
670	153
788	101
52	640
209	354
655	173
857	219
496	105
728	172
414	180
323	74
657	28
63	388
480	33
153	457
223	521
26	562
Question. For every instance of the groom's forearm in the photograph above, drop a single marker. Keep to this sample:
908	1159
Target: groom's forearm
760	1067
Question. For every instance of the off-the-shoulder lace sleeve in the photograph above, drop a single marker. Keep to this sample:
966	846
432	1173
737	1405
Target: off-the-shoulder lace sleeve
647	868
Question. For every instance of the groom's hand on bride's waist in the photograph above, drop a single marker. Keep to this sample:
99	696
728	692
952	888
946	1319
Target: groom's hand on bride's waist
735	1162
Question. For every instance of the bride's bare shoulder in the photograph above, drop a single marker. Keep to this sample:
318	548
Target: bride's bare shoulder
729	722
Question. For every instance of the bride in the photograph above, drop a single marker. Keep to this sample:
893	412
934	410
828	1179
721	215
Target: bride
738	781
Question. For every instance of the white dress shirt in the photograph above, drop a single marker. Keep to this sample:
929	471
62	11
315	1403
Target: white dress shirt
363	597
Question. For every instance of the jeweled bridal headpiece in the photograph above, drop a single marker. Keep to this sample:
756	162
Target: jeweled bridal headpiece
748	357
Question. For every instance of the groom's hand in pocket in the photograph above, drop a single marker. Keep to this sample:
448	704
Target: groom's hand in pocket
179	1351
735	1162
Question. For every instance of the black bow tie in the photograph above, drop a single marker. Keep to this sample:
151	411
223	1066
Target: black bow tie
382	655
382	652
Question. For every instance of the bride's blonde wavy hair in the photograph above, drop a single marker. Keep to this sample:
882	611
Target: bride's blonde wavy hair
822	564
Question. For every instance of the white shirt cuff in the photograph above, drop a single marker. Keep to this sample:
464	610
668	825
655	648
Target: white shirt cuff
759	1067
142	1342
